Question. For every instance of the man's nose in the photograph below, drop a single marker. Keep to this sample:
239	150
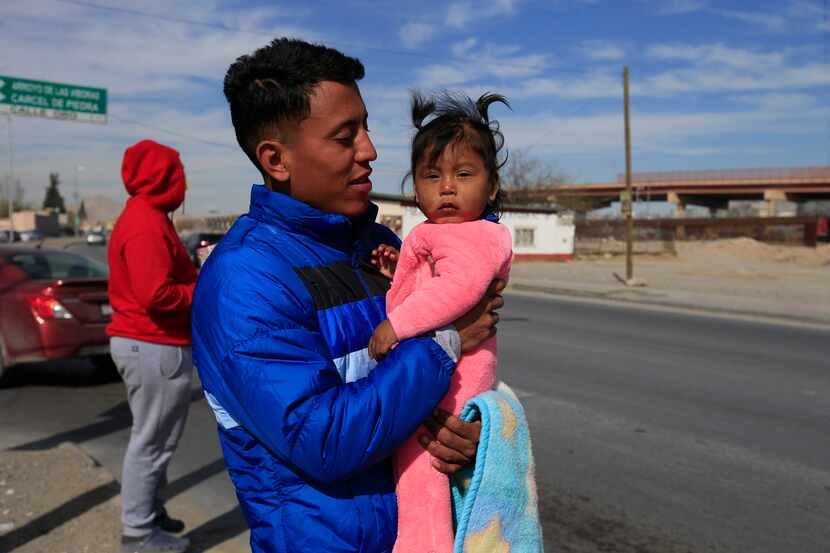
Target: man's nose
365	148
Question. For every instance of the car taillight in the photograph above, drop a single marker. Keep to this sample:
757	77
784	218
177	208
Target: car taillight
45	307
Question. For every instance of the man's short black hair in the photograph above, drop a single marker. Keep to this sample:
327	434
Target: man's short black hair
273	86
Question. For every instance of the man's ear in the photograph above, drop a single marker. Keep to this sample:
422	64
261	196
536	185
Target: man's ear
274	158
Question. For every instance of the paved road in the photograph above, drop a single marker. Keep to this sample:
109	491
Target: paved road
673	432
653	431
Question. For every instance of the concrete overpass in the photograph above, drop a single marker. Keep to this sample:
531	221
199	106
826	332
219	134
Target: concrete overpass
712	189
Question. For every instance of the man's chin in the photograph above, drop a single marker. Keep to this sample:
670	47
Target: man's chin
353	208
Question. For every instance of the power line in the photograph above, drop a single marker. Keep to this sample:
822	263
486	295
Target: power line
376	168
231	28
174	133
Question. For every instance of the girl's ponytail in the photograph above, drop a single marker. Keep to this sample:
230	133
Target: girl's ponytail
483	104
421	109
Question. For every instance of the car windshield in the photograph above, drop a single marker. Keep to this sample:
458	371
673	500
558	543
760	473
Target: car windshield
58	265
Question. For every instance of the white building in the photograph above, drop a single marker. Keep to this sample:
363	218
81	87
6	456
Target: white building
539	234
46	222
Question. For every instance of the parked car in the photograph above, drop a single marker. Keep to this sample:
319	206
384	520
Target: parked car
96	238
53	305
30	236
198	240
7	236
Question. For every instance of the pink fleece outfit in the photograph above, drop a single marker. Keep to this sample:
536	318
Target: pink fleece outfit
443	271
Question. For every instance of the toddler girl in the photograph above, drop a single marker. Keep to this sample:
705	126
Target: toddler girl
444	268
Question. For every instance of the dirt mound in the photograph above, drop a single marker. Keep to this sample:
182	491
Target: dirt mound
747	248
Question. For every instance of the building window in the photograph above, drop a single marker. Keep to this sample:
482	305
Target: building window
525	237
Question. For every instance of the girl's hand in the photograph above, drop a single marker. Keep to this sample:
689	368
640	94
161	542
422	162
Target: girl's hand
382	340
451	442
385	258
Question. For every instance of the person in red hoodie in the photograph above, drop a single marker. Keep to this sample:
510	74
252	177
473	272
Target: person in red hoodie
151	289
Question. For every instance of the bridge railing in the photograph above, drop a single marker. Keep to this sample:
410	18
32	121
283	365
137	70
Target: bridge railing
792	230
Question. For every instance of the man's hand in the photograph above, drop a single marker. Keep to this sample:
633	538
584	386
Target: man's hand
385	258
479	323
382	340
451	442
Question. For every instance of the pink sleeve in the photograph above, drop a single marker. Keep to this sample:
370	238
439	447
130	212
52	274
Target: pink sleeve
468	256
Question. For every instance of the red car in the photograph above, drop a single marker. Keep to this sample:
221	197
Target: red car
53	305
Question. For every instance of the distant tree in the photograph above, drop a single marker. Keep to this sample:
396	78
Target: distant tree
18	195
82	212
524	171
53	199
527	180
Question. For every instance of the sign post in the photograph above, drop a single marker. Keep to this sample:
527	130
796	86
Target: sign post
65	102
10	184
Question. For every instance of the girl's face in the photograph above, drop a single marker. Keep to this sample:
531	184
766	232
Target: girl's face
457	188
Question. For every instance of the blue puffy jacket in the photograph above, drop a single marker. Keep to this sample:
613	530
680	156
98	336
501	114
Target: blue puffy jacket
282	314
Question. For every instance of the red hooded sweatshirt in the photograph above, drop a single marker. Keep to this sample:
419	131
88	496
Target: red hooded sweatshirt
151	275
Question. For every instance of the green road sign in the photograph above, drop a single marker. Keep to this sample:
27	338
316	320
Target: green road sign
67	102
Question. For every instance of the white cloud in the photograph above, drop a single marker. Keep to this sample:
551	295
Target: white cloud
701	80
717	54
144	56
780	102
702	69
460	49
770	22
489	60
798	16
601	50
591	85
461	13
807	9
416	33
503	6
680	7
159	73
602	134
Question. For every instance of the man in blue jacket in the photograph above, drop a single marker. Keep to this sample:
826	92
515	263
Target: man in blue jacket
284	309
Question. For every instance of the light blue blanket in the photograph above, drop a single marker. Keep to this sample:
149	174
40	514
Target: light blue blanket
495	502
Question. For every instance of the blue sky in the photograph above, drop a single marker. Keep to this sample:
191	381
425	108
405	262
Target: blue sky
714	83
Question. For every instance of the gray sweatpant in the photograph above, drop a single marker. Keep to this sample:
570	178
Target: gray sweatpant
158	380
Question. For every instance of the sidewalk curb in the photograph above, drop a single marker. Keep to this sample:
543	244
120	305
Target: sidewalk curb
613	297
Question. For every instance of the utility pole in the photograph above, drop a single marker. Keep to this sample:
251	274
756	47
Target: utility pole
629	221
625	197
